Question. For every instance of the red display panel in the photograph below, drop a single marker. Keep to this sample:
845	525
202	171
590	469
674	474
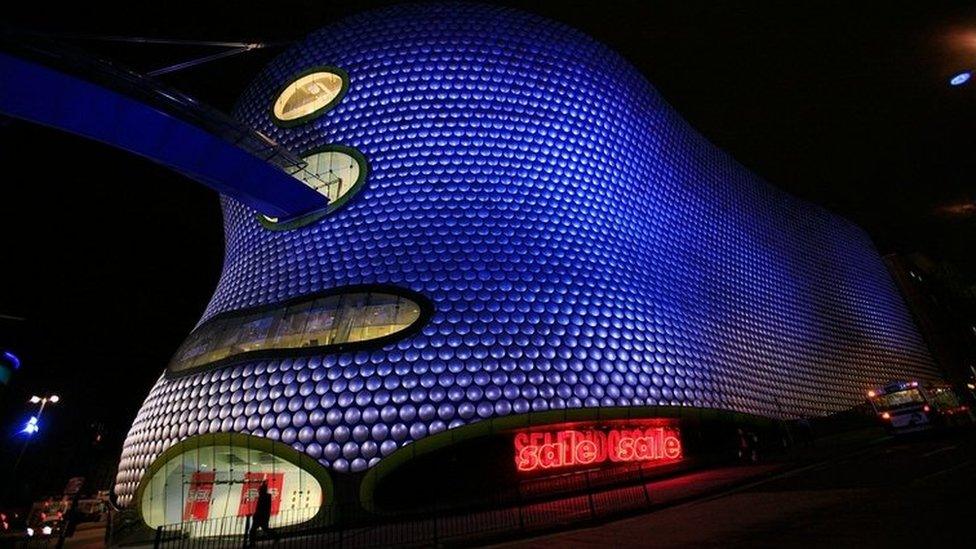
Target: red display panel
580	447
198	496
249	492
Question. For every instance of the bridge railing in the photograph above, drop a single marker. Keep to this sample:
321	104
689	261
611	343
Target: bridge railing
69	60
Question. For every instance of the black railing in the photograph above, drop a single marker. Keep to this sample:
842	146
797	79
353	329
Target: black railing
587	497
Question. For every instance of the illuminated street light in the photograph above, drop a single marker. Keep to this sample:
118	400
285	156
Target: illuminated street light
53	399
960	79
31	426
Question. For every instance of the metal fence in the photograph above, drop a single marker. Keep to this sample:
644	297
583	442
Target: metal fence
589	496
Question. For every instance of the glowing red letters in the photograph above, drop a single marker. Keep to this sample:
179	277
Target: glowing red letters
556	449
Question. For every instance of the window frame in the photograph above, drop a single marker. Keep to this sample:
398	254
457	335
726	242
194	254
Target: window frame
279	449
343	76
425	305
308	219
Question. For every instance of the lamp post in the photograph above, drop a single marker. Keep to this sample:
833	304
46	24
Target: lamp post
34	399
33	424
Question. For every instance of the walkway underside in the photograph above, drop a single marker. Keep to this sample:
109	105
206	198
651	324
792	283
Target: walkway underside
84	96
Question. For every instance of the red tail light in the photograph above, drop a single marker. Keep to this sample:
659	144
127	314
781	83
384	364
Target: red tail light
926	408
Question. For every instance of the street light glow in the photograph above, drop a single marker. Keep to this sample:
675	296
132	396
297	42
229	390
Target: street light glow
31	426
54	399
34	399
960	79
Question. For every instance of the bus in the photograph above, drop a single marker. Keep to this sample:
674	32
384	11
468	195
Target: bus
908	406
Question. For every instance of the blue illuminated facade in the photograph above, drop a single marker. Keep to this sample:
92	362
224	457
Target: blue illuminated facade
580	244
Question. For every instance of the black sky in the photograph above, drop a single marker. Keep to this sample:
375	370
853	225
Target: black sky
112	259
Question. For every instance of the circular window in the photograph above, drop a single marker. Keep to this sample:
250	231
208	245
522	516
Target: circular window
309	95
335	172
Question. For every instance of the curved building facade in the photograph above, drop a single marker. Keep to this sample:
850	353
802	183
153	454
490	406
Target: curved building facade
520	224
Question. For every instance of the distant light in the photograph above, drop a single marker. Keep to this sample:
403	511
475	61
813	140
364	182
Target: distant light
885	415
960	79
46	530
30	532
31	426
54	398
13	359
871	394
34	399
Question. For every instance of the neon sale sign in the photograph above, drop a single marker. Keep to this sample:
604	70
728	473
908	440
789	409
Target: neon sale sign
580	447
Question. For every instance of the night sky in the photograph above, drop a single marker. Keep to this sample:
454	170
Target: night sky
112	259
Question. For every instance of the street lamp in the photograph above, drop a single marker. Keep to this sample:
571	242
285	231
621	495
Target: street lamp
33	424
34	399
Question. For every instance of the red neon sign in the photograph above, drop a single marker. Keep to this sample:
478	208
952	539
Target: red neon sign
570	448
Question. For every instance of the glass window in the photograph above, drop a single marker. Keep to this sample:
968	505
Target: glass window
336	172
210	482
332	173
318	322
308	95
898	399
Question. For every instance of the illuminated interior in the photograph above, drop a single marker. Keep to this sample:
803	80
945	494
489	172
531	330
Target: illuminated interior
207	481
332	173
325	321
307	95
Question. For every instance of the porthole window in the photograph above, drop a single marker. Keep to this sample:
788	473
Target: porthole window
309	95
335	172
332	322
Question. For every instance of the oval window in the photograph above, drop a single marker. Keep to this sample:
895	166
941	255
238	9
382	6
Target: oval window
309	324
309	95
212	477
335	172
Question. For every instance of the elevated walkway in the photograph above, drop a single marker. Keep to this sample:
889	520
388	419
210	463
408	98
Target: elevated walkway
49	84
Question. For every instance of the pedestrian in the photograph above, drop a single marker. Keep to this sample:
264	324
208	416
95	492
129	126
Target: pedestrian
262	513
743	444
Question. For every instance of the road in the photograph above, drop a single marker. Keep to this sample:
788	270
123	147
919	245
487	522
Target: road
897	493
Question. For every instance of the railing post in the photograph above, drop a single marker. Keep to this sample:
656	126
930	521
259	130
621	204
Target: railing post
589	495
341	529
159	535
247	529
640	475
435	527
521	518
